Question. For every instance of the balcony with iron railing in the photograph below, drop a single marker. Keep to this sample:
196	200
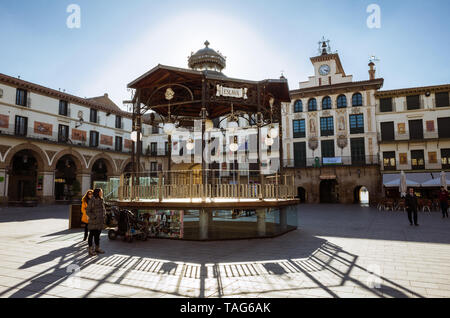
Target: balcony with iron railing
319	162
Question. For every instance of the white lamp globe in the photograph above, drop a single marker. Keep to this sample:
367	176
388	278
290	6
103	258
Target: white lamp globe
133	136
169	128
269	141
234	147
273	132
209	125
190	144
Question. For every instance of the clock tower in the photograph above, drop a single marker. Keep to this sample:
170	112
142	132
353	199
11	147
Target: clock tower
328	68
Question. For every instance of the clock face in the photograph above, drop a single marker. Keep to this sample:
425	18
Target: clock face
324	69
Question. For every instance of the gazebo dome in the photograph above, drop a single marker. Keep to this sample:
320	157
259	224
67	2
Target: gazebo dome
207	59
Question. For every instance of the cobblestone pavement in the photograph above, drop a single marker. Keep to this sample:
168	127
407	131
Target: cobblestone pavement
338	251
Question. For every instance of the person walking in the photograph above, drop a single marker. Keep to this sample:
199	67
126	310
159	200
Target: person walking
96	213
443	198
84	218
411	205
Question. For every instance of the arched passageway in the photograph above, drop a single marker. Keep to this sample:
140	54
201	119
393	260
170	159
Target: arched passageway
65	176
23	178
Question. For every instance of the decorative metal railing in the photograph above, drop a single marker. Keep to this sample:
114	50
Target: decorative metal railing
188	185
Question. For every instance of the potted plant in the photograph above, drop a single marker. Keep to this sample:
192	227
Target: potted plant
76	190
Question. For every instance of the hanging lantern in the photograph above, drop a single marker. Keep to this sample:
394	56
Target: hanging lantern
269	141
234	146
190	144
273	132
133	136
209	125
169	128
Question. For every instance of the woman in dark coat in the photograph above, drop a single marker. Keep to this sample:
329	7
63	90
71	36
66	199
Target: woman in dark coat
96	213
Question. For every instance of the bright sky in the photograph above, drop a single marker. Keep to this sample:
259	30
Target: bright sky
120	40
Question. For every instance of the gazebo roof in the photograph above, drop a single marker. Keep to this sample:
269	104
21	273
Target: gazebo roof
188	90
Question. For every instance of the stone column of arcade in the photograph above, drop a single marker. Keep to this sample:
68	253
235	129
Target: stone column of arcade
204	222
85	182
48	186
261	221
3	186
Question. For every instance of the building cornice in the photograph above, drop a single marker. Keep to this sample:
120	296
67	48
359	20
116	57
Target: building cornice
337	88
42	90
412	91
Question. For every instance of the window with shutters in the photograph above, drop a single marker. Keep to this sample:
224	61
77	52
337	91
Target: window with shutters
154	149
312	105
63	108
387	131
300	154
93	139
385	105
21	97
327	147
119	143
357	124
93	116
358	150
442	99
415	129
413	102
417	160
445	158
357	100
326	126
298	106
341	101
326	103
119	122
444	127
21	126
389	160
63	133
299	128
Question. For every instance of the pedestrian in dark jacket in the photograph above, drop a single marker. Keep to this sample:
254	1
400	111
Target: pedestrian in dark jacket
96	213
411	207
443	198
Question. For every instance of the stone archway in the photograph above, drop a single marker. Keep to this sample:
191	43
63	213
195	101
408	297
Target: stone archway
361	195
111	165
23	180
66	178
78	160
301	194
328	190
41	156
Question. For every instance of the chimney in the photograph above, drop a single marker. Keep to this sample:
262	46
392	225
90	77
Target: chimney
372	71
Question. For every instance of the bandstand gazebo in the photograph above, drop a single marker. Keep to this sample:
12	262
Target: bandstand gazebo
211	202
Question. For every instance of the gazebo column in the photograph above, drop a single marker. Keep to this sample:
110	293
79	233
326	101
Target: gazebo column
204	222
261	221
283	218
